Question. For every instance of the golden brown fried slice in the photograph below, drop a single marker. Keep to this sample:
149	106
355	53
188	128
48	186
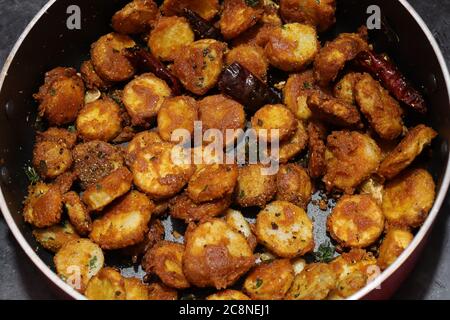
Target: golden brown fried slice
215	255
109	60
95	160
199	65
251	57
59	135
292	47
166	261
408	149
270	281
109	188
51	158
313	283
124	224
137	16
394	243
169	36
78	213
78	261
333	56
345	88
143	98
182	207
294	185
228	295
237	221
274	117
91	78
43	205
99	120
285	229
135	289
158	291
61	96
54	237
156	172
139	142
350	157
253	187
320	14
356	222
237	16
108	284
408	198
211	182
298	88
177	113
207	9
316	164
334	111
294	145
381	110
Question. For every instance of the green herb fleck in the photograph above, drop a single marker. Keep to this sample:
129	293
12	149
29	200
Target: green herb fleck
259	283
32	175
242	194
72	128
53	92
252	3
318	1
307	85
93	262
325	253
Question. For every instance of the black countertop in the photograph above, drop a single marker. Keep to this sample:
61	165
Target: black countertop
20	279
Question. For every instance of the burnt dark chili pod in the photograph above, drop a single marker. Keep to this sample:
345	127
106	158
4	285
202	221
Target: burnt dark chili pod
144	60
202	28
391	78
243	86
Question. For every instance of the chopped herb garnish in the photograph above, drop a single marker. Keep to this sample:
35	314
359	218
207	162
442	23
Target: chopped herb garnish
242	194
252	3
307	85
72	128
206	52
32	175
93	262
259	283
325	253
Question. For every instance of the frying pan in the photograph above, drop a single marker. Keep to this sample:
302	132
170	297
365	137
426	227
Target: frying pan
47	43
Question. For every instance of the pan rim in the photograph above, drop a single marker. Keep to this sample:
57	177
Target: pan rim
52	276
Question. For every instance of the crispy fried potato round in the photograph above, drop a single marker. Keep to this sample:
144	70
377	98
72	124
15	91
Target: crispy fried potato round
316	163
99	120
61	96
108	59
356	222
169	36
285	229
167	263
124	224
156	173
270	281
296	92
177	113
182	207
91	78
59	135
78	261
316	13
78	213
43	205
294	145
95	160
211	182
51	158
136	17
158	291
333	56
135	289
253	187
143	98
221	113
294	185
334	111
251	57
408	199
313	283
215	255
274	117
350	157
237	221
198	65
345	88
381	110
394	243
228	295
207	9
139	142
292	46
237	16
408	149
108	284
106	190
54	237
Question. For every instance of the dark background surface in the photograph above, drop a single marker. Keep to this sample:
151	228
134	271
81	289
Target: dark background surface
20	279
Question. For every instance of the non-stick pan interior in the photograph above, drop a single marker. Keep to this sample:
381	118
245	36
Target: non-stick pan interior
50	44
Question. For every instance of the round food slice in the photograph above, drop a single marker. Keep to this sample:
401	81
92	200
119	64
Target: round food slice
298	88
55	237
78	213
43	205
294	185
356	222
51	158
108	284
394	243
320	14
293	146
270	118
285	229
237	16
251	57
253	187
138	16
139	142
